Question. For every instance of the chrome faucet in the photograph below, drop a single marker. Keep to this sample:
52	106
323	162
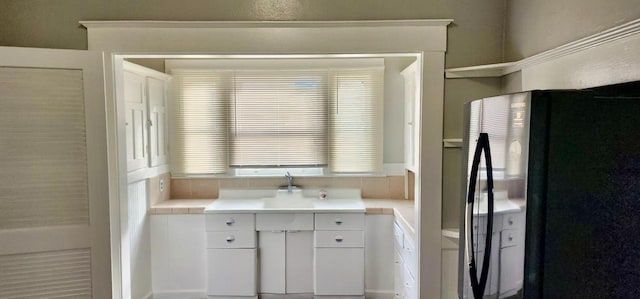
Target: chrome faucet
289	182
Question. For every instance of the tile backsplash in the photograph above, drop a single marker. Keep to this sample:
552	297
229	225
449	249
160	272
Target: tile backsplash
390	187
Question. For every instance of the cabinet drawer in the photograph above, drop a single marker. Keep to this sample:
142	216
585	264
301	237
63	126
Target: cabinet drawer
480	225
397	257
339	221
231	239
398	236
409	255
512	221
339	239
508	238
410	290
218	222
284	221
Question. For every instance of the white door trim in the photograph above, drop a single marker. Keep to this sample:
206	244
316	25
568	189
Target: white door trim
427	38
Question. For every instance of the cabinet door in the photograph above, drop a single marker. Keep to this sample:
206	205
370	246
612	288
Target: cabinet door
272	262
510	276
411	115
397	274
299	262
136	120
339	271
232	272
157	121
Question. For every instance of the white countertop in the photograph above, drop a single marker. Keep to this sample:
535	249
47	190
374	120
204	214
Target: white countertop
258	206
402	209
272	201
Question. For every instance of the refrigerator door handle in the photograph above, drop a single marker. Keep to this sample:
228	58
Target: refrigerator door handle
478	285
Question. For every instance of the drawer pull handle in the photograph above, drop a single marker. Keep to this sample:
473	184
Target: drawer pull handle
339	239
230	222
339	221
230	239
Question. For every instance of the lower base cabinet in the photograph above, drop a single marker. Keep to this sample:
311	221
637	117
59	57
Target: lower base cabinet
339	271
405	264
232	272
286	262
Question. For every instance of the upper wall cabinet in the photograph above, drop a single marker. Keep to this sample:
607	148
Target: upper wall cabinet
412	85
145	99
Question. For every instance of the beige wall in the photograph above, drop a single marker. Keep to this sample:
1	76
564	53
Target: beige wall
475	37
535	26
54	24
459	91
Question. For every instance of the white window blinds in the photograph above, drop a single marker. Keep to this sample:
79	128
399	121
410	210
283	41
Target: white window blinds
199	126
277	118
356	120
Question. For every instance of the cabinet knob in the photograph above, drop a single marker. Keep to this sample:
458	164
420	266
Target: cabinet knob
230	222
230	239
510	221
510	238
339	239
339	221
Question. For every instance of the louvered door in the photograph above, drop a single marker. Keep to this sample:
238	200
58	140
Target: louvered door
54	215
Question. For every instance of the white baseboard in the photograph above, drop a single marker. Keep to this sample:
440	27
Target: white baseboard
369	294
185	294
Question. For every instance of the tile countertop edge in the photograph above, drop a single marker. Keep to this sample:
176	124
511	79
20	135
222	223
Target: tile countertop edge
402	209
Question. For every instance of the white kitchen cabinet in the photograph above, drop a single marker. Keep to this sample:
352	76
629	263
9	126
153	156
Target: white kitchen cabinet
272	262
145	97
231	255
398	269
157	111
339	254
412	91
507	249
135	120
339	271
406	264
178	255
299	262
181	248
286	253
232	272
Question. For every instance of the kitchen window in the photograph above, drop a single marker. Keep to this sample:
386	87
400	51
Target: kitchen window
300	116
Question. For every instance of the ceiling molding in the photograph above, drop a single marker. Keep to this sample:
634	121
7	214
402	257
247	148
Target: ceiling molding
626	30
264	24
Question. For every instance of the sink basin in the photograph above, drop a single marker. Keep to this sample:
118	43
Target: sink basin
275	201
284	200
286	204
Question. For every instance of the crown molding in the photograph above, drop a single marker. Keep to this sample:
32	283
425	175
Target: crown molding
616	33
264	24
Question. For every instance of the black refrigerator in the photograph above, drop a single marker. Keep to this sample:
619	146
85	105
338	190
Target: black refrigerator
551	205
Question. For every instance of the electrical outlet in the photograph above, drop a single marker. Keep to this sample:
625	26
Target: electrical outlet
161	185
